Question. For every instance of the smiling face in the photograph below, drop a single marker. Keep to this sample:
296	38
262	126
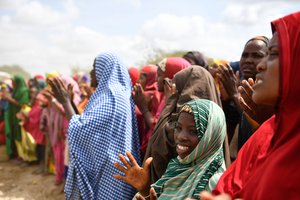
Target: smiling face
185	135
266	87
254	51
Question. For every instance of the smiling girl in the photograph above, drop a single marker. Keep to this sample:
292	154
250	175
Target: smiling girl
199	135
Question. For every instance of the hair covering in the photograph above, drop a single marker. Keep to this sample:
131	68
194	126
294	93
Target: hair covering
170	66
191	83
261	38
274	169
52	74
151	92
106	128
134	75
197	57
76	91
12	127
202	168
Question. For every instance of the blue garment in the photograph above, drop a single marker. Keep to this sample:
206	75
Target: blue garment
106	128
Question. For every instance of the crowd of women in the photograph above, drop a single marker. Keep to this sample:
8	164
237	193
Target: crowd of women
184	128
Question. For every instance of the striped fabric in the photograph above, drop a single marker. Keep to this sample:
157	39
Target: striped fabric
202	168
106	128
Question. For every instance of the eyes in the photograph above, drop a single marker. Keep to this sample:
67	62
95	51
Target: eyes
190	130
254	55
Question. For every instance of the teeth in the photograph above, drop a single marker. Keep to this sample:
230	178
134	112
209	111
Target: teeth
183	148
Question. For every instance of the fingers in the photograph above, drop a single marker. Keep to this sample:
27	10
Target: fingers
120	168
245	107
119	177
153	195
124	161
147	163
131	158
251	81
206	196
247	86
139	197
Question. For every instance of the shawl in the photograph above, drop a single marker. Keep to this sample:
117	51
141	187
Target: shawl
170	66
152	93
12	128
134	75
278	176
34	117
191	83
275	174
106	128
202	168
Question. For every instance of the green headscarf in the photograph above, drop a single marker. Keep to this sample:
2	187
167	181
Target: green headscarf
202	168
12	127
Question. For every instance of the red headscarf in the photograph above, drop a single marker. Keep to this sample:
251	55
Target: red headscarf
271	156
173	65
156	96
134	75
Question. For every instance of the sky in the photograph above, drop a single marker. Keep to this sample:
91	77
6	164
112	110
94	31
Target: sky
58	35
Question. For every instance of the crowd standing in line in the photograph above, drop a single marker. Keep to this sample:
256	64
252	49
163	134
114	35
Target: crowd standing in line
174	120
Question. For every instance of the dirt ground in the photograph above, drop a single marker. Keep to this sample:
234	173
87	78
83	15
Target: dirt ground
18	182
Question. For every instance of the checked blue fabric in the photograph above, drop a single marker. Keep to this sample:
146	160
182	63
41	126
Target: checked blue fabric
106	128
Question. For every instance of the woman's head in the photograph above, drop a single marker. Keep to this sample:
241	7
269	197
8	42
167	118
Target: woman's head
200	129
167	68
266	88
147	77
195	58
254	51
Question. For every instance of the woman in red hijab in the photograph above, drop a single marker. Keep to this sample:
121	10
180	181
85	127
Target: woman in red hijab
149	103
267	167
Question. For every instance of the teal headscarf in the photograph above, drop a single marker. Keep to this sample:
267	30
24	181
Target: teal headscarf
202	168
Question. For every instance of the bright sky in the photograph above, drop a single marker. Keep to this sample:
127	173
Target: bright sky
56	35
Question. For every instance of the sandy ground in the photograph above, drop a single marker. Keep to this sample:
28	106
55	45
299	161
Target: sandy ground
18	182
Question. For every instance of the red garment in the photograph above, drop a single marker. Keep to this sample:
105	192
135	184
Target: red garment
174	65
275	174
2	133
134	75
32	124
151	92
252	153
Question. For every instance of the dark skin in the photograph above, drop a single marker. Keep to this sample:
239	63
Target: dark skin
142	101
62	94
230	82
258	113
135	175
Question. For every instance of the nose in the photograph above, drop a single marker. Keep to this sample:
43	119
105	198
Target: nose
261	65
182	136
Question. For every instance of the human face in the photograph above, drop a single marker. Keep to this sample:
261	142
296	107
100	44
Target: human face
185	135
143	80
266	87
253	53
160	79
33	92
93	76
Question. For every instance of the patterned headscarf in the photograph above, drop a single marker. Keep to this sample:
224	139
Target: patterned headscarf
202	168
106	128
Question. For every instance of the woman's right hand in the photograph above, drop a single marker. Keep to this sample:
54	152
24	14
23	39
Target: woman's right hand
138	177
59	90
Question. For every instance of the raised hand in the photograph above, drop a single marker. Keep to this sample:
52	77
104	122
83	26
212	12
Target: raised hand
140	99
169	88
258	113
138	177
59	91
229	80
